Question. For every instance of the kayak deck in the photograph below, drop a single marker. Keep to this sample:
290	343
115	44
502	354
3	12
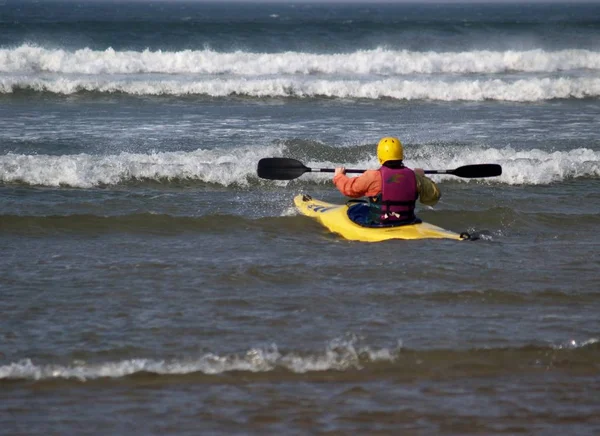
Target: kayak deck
335	218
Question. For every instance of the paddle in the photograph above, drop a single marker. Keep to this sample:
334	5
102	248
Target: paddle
282	168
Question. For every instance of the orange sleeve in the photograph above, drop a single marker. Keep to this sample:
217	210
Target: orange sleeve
367	184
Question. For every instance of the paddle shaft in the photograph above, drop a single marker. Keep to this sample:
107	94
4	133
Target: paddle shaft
332	170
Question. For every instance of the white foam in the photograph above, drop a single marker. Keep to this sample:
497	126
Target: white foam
226	167
530	167
238	167
523	90
337	357
537	167
572	344
530	75
28	58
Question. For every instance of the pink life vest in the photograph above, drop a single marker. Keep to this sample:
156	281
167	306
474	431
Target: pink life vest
399	192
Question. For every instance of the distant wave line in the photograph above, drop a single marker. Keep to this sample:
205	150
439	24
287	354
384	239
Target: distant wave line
34	59
523	90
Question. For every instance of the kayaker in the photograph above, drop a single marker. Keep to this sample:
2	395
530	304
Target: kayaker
392	190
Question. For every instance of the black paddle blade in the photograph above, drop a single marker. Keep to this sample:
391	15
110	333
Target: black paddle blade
481	170
280	168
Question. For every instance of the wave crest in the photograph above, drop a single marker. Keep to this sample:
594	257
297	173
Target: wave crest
521	76
237	168
341	356
524	90
28	59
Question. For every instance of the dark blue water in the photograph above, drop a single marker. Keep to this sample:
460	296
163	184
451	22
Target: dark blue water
317	28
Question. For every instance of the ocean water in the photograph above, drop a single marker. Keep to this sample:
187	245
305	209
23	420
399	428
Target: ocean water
150	282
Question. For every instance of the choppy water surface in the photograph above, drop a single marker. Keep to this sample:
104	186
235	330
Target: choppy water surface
151	282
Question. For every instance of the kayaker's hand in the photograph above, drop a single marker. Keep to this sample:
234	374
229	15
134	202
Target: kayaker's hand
419	171
339	170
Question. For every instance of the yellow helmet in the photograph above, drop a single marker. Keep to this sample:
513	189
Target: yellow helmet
389	148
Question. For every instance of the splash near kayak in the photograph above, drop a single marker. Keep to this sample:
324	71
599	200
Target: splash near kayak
335	218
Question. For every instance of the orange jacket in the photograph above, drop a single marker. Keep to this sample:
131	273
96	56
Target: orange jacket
369	183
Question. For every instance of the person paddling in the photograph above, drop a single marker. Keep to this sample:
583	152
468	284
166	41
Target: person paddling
392	190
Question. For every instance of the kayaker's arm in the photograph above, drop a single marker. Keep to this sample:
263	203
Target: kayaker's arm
429	193
367	184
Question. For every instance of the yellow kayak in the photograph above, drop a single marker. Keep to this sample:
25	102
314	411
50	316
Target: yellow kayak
335	218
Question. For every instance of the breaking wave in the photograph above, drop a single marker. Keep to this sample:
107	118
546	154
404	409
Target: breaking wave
237	168
34	59
521	76
523	90
339	356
